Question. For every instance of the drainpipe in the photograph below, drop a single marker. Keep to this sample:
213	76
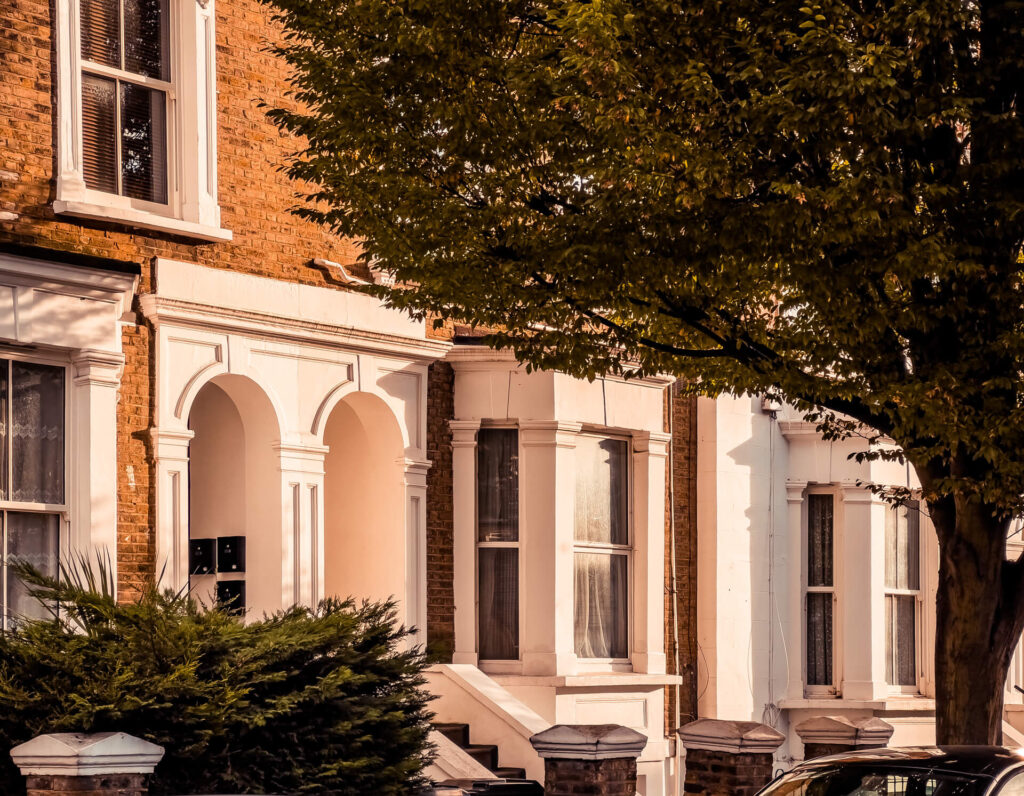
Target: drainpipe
673	580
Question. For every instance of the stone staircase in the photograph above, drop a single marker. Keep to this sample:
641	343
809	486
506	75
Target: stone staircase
485	754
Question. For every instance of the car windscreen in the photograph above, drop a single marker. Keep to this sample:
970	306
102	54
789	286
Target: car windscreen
877	781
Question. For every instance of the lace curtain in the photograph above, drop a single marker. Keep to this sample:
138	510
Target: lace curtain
37	431
602	575
33	538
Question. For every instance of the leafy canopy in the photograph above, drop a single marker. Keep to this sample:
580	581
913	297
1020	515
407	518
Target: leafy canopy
324	701
819	199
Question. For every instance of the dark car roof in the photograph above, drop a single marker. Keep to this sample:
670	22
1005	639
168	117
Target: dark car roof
984	760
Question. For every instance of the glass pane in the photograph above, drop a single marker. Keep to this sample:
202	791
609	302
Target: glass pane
602	605
99	133
497	485
819	639
602	490
819	540
145	30
4	411
37	401
143	143
900	640
101	41
499	603
33	538
903	547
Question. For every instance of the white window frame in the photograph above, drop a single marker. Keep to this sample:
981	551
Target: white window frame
918	595
615	664
62	510
499	664
192	210
832	689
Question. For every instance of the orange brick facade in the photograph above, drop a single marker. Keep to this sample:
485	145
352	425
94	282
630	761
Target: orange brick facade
254	197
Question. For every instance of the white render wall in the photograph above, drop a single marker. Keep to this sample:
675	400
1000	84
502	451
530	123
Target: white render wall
755	469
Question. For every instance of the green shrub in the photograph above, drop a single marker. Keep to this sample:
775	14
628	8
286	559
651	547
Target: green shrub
323	701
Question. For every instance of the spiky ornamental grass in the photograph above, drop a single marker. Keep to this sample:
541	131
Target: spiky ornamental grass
325	701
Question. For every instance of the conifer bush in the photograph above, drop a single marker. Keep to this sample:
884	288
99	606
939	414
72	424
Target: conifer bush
325	701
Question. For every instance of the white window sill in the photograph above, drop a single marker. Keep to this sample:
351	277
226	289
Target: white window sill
893	702
608	679
142	219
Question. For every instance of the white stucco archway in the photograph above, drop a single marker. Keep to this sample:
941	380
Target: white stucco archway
364	507
233	485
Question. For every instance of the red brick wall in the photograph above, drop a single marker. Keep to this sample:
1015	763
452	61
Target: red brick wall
683	409
440	555
254	198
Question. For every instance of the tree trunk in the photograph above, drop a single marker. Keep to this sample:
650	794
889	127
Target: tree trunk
978	623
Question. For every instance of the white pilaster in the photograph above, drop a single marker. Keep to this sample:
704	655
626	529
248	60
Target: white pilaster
96	378
464	542
650	454
861	565
797	579
415	480
170	448
547	474
302	521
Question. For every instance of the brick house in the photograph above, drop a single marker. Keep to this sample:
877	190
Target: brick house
191	383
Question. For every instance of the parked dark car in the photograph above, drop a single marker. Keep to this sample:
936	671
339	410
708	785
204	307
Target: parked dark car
909	771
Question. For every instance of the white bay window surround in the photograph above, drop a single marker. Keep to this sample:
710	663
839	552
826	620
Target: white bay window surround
136	114
60	370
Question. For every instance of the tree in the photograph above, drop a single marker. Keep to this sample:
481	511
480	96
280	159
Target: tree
818	199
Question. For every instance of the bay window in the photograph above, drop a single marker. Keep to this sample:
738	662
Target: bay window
902	593
602	548
820	592
498	543
32	474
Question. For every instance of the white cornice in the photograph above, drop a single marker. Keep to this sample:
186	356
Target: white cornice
159	310
69	280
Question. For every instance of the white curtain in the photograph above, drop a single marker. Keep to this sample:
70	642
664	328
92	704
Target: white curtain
33	538
602	604
499	603
37	407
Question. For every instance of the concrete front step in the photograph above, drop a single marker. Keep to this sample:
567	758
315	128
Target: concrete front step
485	754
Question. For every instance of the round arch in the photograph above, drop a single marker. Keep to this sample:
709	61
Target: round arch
234	492
364	504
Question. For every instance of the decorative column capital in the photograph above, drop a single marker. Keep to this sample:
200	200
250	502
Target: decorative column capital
464	433
171	444
654	443
92	366
795	491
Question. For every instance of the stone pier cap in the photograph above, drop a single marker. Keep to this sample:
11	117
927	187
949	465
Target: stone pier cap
734	737
73	754
588	742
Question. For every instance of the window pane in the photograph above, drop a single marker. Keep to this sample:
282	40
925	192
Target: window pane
4	411
37	401
143	143
101	41
900	640
602	603
903	547
99	133
602	473
497	485
819	639
145	26
819	540
33	538
499	603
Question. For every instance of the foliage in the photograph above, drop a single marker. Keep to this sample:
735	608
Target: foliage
817	199
325	701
